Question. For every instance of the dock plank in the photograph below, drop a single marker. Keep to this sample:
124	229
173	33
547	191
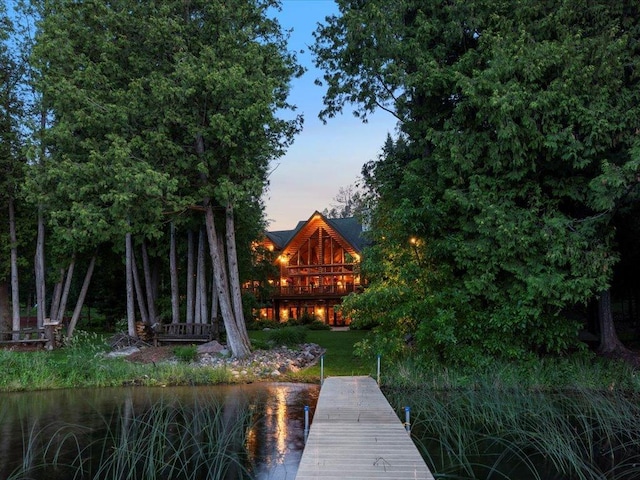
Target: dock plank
356	434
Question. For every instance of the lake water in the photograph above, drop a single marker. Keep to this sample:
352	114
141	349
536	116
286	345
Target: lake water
34	424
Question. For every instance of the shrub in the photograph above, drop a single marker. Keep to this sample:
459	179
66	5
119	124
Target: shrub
318	325
85	342
306	319
260	344
289	336
262	324
186	353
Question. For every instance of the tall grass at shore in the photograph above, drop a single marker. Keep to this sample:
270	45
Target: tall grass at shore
82	364
578	371
556	419
202	441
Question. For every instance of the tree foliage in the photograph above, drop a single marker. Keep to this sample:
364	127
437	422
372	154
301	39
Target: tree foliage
159	110
11	116
519	146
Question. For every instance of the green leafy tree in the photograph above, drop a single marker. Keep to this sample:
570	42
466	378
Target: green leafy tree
12	114
160	107
519	141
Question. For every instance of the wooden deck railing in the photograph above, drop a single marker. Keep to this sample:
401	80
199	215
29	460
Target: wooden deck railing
310	291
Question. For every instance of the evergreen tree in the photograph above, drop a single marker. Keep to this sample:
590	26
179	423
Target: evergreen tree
519	141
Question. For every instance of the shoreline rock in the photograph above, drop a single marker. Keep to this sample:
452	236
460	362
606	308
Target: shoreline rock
266	363
259	364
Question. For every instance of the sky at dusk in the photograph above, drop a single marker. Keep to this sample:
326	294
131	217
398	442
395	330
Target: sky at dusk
323	157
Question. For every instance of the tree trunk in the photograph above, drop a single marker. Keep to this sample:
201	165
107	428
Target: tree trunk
189	316
197	314
15	290
201	294
41	310
149	286
81	297
142	307
173	267
609	341
214	308
239	348
57	295
234	275
131	314
5	307
67	287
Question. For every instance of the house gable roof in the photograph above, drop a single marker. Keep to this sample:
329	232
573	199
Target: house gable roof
280	238
348	230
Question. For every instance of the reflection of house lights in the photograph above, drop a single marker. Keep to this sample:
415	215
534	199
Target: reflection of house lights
281	421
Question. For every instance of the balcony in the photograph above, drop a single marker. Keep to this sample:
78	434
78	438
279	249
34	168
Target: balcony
317	291
301	292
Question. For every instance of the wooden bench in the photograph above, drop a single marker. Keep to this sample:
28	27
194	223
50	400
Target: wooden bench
183	332
23	336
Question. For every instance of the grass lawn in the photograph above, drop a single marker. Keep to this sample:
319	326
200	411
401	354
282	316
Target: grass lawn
338	359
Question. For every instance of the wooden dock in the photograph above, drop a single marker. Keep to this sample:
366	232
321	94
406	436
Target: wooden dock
356	434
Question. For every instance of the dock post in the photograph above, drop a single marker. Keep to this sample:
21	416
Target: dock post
306	423
379	369
321	369
407	419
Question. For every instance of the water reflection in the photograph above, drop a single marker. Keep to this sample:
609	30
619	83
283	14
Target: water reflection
61	423
276	441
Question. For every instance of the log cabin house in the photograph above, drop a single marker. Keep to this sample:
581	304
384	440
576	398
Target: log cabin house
316	265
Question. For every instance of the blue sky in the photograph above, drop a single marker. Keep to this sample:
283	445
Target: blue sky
323	158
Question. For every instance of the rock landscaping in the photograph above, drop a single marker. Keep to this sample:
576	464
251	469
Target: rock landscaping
264	364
